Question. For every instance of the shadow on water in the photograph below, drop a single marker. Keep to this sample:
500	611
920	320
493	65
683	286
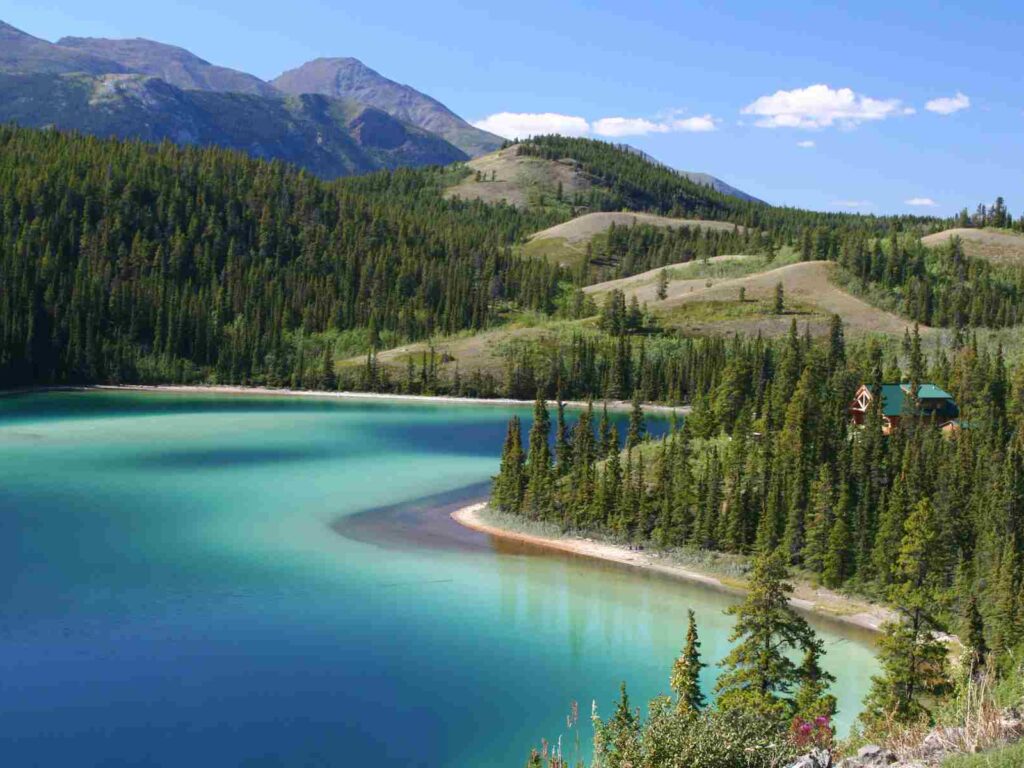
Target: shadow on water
421	524
426	524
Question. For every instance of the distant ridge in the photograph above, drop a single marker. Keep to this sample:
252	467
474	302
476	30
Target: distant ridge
328	137
152	91
23	53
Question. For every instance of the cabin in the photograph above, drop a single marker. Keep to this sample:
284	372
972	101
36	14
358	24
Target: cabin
935	403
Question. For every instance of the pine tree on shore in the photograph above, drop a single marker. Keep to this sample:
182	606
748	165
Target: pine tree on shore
912	657
563	448
637	424
510	484
538	501
758	673
685	678
812	699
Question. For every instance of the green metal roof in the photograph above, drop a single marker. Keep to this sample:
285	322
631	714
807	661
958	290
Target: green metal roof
932	392
894	400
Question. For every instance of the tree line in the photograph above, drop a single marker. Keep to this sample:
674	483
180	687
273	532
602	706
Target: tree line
767	462
127	262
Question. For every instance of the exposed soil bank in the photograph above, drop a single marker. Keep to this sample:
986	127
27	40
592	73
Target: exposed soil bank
821	602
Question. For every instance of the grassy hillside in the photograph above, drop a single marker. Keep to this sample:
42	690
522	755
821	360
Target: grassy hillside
999	246
810	296
566	243
511	177
703	297
585	227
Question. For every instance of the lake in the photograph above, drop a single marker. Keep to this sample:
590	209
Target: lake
268	581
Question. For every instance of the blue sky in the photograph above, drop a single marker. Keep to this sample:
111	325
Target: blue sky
801	104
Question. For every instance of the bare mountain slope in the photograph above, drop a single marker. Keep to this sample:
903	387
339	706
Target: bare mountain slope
23	53
328	137
175	65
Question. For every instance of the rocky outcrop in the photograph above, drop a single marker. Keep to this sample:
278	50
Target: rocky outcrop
939	743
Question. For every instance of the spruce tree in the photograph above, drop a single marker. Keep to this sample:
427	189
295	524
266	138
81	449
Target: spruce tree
912	657
328	379
812	699
617	742
837	566
974	635
779	306
662	285
509	485
637	424
539	499
563	449
759	673
685	679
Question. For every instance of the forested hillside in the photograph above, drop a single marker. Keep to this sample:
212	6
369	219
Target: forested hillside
123	261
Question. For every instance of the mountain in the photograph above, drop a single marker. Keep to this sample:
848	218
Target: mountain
170	63
349	78
21	52
704	179
153	91
328	137
707	180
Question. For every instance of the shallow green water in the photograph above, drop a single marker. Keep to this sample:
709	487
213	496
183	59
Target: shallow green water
264	581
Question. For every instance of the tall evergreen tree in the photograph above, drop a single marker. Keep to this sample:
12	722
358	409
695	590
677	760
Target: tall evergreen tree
510	484
685	679
758	672
912	657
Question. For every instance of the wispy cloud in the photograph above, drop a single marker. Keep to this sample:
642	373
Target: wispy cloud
806	144
819	106
947	105
524	124
852	203
626	126
921	202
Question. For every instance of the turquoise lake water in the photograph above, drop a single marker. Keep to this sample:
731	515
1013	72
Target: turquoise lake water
222	580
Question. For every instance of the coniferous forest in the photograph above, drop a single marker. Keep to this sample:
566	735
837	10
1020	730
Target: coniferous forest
927	521
123	261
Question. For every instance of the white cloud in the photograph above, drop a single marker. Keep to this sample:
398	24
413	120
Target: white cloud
626	126
701	124
808	144
512	125
921	202
947	105
852	203
819	106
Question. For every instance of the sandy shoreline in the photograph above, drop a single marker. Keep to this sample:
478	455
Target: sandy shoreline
227	389
820	602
